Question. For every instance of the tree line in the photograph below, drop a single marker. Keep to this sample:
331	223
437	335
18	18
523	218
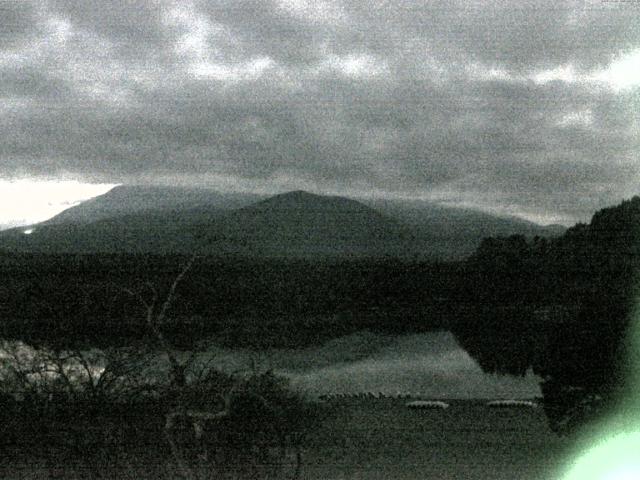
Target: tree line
561	308
241	302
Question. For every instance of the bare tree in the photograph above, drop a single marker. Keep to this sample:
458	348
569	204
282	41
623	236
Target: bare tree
225	404
155	318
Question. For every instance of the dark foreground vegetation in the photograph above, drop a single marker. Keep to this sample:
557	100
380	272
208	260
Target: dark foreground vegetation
115	423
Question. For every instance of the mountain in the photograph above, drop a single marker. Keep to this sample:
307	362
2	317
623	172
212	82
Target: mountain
290	225
302	224
134	199
455	232
153	231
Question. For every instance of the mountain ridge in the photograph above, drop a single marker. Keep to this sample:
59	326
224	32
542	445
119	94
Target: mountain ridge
290	224
128	199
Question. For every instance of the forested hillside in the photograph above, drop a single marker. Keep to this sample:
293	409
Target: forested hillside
560	307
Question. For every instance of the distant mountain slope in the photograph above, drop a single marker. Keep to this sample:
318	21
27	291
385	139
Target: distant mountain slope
454	232
290	225
134	199
153	231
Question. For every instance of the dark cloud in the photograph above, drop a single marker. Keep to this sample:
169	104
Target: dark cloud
17	25
520	108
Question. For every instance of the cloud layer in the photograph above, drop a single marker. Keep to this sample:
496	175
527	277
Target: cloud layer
530	108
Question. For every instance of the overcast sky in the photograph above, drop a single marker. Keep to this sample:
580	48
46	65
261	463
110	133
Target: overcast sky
527	108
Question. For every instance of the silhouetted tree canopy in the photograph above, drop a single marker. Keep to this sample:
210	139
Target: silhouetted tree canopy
560	308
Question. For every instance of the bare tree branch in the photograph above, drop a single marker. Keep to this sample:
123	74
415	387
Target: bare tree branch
172	290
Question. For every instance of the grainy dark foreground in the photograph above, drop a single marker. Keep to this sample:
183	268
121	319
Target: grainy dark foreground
357	439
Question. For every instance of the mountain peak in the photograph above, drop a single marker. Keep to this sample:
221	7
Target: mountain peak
303	200
298	195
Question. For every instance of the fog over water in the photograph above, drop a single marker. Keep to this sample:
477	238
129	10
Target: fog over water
430	364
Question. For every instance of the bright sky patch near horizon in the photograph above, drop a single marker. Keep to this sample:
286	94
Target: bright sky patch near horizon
26	202
529	108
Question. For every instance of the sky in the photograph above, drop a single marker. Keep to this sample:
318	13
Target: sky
520	107
25	202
